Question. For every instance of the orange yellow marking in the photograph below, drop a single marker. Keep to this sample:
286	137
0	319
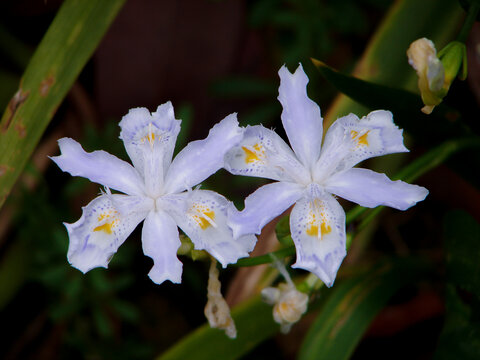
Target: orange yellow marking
253	153
361	140
150	137
107	226
205	216
312	229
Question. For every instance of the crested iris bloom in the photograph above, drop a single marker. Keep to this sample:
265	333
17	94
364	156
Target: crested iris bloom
157	190
310	175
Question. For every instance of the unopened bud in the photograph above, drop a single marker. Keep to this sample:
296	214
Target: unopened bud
436	73
422	56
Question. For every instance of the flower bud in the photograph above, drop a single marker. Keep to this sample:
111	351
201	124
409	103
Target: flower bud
436	73
289	304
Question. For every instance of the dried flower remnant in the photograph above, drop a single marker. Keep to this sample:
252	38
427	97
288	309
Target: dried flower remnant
217	310
289	304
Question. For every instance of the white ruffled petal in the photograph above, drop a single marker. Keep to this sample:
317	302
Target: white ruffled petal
98	166
262	153
370	189
301	116
262	206
202	215
350	140
102	229
150	140
317	226
160	241
201	158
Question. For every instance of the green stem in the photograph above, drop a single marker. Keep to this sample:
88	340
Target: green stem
469	21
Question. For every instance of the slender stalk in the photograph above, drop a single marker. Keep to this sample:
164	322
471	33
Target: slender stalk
469	21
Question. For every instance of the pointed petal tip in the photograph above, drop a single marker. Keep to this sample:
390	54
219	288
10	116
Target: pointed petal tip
326	275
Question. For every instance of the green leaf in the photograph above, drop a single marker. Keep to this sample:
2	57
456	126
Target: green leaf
441	124
254	322
385	62
352	306
283	231
460	337
13	271
462	248
69	42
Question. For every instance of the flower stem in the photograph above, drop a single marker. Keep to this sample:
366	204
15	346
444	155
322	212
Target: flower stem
469	20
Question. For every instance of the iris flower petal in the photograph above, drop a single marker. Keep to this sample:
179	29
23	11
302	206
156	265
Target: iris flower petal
97	235
266	203
160	241
202	215
150	140
301	116
317	226
201	158
369	188
351	140
263	153
98	166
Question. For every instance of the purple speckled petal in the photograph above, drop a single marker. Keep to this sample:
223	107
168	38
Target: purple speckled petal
202	215
318	231
97	235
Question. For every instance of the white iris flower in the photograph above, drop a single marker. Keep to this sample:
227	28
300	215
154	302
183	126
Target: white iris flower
157	190
312	175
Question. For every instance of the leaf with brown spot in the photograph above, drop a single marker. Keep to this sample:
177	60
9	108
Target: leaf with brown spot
18	99
46	84
20	129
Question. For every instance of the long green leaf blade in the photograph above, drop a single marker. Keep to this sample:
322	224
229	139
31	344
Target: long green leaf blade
441	124
352	306
254	323
66	47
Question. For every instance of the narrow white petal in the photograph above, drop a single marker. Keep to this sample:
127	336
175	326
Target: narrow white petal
150	140
317	226
201	158
369	188
160	241
101	230
262	206
301	116
202	215
262	153
350	140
